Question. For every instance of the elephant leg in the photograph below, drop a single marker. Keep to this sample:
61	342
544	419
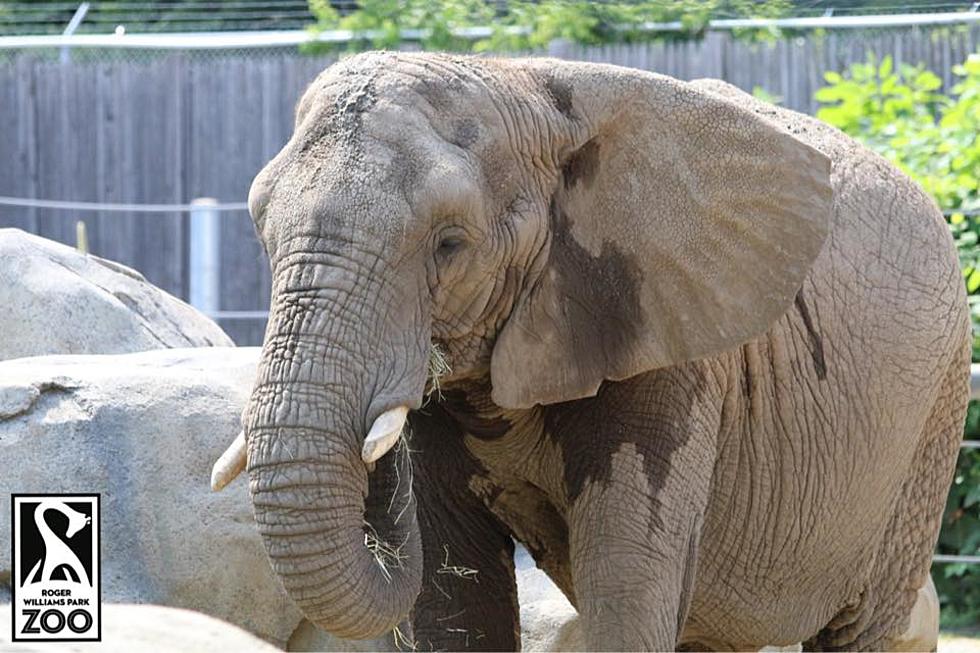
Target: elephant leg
638	504
922	633
899	610
469	592
633	575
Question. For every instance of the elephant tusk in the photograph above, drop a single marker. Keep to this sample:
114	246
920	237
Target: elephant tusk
230	464
384	433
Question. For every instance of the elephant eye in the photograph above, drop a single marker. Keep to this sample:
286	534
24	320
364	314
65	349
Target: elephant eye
449	246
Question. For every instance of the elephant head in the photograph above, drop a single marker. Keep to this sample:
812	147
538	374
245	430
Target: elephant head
548	225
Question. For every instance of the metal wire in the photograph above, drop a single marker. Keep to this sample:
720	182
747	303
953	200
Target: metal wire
69	205
119	208
970	560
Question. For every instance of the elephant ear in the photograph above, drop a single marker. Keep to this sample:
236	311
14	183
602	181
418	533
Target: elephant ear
681	226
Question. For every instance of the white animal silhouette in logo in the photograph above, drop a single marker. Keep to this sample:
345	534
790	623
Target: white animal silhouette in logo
56	552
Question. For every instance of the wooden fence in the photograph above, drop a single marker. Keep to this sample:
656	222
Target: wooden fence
167	128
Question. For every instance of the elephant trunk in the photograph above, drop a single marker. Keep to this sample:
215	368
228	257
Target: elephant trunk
343	539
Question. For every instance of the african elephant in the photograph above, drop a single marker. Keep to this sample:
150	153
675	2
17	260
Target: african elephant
705	357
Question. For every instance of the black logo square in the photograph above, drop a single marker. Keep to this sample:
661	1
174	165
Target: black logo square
56	567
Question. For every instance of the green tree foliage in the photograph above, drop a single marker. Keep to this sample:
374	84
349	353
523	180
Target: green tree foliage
902	114
526	24
379	23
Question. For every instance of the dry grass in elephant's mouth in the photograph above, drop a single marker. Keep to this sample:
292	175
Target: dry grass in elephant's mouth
438	368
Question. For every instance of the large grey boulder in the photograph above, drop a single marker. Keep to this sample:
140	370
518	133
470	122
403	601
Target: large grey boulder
143	430
58	301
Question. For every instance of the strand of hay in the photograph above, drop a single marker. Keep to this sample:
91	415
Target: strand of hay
466	573
442	591
461	630
438	368
384	553
402	641
452	616
402	450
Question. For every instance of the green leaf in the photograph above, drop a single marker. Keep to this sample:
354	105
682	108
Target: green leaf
973	282
885	69
927	81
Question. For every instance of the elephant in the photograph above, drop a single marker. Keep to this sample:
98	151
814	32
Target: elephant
705	357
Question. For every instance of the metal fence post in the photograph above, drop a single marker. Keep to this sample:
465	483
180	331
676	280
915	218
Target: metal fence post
73	24
205	255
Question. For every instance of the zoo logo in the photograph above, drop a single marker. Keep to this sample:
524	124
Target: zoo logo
56	568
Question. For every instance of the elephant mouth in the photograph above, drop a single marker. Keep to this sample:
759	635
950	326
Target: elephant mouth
381	438
383	435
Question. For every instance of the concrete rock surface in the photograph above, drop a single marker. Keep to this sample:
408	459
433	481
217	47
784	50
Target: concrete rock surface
58	301
143	430
548	620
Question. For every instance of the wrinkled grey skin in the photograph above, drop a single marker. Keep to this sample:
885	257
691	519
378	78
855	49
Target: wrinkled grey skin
709	359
